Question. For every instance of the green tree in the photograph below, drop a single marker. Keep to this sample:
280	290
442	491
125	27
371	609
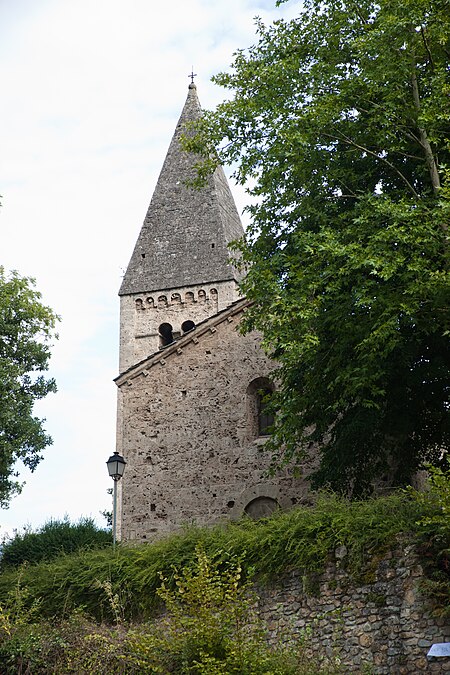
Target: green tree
54	538
339	121
26	328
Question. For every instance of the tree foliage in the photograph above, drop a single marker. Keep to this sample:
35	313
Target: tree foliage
211	627
339	121
54	538
26	328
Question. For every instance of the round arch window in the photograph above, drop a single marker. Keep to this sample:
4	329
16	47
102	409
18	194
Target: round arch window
187	326
259	415
165	334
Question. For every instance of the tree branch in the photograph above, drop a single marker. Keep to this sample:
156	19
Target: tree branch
424	39
424	142
390	116
352	143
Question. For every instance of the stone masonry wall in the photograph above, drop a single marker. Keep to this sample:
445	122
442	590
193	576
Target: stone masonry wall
142	313
188	434
382	627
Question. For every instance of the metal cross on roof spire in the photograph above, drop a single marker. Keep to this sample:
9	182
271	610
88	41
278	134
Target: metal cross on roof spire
192	75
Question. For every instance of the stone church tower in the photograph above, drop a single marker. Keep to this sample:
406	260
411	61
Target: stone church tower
191	423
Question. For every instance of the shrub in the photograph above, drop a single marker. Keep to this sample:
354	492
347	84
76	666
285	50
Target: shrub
51	540
434	537
303	538
75	645
210	627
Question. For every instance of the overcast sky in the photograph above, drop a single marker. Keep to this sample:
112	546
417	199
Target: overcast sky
91	91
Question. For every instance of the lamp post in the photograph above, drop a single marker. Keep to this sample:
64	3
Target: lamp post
116	467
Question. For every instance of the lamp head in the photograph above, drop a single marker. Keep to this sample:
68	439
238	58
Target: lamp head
116	466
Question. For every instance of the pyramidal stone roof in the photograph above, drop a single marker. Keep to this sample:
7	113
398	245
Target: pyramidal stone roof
184	237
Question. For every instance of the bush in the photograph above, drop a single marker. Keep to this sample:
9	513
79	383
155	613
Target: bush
209	627
54	538
434	538
75	645
303	538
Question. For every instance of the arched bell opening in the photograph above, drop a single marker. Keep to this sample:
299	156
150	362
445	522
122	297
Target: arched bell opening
186	326
165	334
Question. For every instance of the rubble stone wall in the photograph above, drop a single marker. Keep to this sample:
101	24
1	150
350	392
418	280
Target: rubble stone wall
382	627
141	315
188	434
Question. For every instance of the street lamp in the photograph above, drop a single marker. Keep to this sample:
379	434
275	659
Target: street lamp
116	467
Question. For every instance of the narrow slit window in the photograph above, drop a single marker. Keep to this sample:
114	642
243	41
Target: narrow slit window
260	418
